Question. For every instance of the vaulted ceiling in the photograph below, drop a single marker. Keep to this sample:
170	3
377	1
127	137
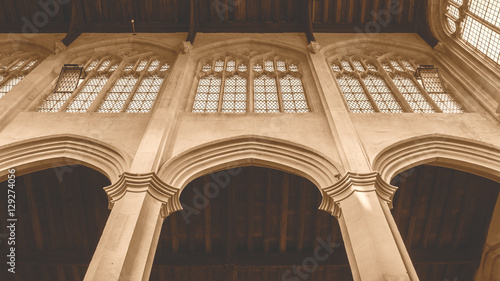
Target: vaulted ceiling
216	16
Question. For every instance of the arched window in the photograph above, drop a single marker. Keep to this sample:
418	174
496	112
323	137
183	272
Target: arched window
109	86
392	85
223	87
13	69
477	23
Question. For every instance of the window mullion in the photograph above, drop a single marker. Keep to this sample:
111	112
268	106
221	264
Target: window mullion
278	90
112	79
397	94
76	92
367	93
134	89
222	88
250	87
426	95
482	21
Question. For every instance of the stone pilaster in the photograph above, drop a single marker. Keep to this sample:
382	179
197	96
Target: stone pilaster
140	203
360	201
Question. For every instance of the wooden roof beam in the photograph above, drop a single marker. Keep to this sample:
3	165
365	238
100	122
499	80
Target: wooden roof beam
193	21
77	23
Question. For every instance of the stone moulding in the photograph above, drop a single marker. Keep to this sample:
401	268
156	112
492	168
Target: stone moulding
351	183
452	152
150	183
61	150
250	151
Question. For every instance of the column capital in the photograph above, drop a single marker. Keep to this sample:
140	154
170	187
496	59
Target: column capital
150	183
355	182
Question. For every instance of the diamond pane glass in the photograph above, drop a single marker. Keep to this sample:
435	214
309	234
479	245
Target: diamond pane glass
29	65
292	94
269	65
336	67
458	2
87	95
357	64
257	67
345	65
142	65
113	67
234	99
206	68
280	65
116	98
154	65
104	65
207	95
231	66
433	85
396	65
381	94
219	66
354	94
371	67
242	67
18	65
387	67
93	64
66	84
265	95
412	94
164	67
129	66
145	96
293	67
408	65
7	86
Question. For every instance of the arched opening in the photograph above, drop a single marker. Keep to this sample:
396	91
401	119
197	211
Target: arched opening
61	213
250	223
443	216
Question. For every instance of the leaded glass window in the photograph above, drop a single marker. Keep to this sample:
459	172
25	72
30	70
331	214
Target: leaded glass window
381	94
395	87
478	25
68	81
13	70
111	86
354	94
265	95
223	86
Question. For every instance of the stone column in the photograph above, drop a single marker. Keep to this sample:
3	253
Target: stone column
140	203
357	200
489	269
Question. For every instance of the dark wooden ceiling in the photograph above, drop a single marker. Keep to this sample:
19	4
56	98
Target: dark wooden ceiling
262	224
216	15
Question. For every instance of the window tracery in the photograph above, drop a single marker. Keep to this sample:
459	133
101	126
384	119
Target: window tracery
14	68
118	86
275	86
389	85
477	23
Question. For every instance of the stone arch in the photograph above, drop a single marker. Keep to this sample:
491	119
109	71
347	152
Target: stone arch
250	150
49	152
452	152
133	46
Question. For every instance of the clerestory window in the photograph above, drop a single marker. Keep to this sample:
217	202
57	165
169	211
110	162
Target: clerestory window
477	23
108	85
13	69
275	86
392	85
